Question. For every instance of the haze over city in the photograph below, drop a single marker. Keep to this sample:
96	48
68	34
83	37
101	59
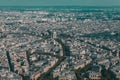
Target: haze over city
59	2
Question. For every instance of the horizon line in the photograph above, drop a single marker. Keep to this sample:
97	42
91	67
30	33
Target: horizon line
58	6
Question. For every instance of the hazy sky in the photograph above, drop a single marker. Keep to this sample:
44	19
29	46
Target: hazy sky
59	2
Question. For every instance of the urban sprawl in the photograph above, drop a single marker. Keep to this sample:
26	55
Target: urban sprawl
60	43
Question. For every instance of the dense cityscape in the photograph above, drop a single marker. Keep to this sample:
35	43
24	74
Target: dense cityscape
60	43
